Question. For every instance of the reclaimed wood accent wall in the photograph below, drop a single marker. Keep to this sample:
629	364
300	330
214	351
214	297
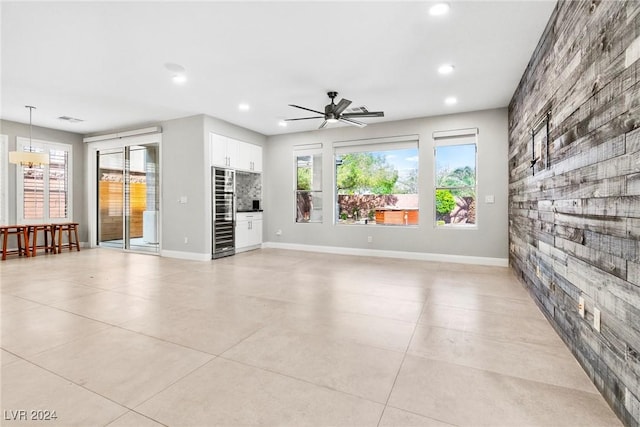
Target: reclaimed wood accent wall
574	227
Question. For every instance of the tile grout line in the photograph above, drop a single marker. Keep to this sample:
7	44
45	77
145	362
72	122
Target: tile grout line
404	356
299	379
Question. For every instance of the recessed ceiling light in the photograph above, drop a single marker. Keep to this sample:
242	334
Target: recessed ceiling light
178	72
282	124
452	100
446	69
439	9
243	107
179	79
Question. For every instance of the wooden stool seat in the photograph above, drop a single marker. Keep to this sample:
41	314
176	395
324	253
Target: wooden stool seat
20	231
71	228
47	230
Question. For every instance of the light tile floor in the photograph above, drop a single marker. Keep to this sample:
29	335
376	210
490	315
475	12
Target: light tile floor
275	337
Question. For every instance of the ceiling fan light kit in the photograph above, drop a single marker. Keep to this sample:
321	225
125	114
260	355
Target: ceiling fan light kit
334	113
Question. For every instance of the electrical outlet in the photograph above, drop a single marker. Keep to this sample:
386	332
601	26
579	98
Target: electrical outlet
581	307
186	240
370	239
279	233
596	319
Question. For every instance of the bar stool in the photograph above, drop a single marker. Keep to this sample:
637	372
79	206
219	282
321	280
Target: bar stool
19	231
47	230
71	228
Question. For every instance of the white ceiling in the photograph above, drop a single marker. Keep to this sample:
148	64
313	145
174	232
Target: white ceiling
104	62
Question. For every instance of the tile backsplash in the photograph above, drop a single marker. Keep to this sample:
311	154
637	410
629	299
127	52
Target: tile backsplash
248	189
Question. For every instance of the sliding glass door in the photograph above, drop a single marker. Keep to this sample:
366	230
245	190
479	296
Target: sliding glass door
128	198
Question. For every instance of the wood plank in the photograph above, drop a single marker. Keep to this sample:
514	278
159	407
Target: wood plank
628	249
614	226
633	273
604	261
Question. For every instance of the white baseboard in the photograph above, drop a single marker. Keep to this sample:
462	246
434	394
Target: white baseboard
248	248
419	256
193	256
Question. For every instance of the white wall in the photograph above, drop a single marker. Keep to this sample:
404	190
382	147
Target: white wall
488	240
183	175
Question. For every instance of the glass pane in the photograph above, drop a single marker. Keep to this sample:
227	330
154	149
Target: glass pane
304	166
144	198
33	189
456	206
309	188
58	183
308	206
110	198
33	192
456	166
456	184
378	187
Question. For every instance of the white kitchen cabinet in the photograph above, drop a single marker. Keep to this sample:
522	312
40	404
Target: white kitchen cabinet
224	151
233	154
248	231
249	157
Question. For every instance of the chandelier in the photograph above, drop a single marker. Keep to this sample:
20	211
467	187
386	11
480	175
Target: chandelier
29	158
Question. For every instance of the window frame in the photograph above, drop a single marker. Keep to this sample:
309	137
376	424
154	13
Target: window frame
300	151
451	138
4	179
401	142
21	143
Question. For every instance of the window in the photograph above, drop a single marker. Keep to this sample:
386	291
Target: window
44	191
308	165
455	193
377	182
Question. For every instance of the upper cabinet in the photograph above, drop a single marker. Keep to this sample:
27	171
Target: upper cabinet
249	157
224	151
233	154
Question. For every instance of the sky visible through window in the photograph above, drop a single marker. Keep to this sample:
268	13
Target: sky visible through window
404	161
450	157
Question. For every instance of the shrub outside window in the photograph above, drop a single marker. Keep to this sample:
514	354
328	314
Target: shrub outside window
455	192
377	184
308	186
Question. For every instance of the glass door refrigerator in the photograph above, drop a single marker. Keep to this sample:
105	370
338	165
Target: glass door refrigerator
223	212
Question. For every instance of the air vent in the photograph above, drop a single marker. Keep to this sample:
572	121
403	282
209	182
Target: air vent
70	119
361	109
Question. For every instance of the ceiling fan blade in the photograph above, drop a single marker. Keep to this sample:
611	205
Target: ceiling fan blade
341	106
323	124
308	109
304	118
367	114
352	122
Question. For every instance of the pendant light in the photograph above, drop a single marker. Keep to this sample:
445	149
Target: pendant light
29	158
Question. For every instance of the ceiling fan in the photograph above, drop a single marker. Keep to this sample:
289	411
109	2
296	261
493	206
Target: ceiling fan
336	113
